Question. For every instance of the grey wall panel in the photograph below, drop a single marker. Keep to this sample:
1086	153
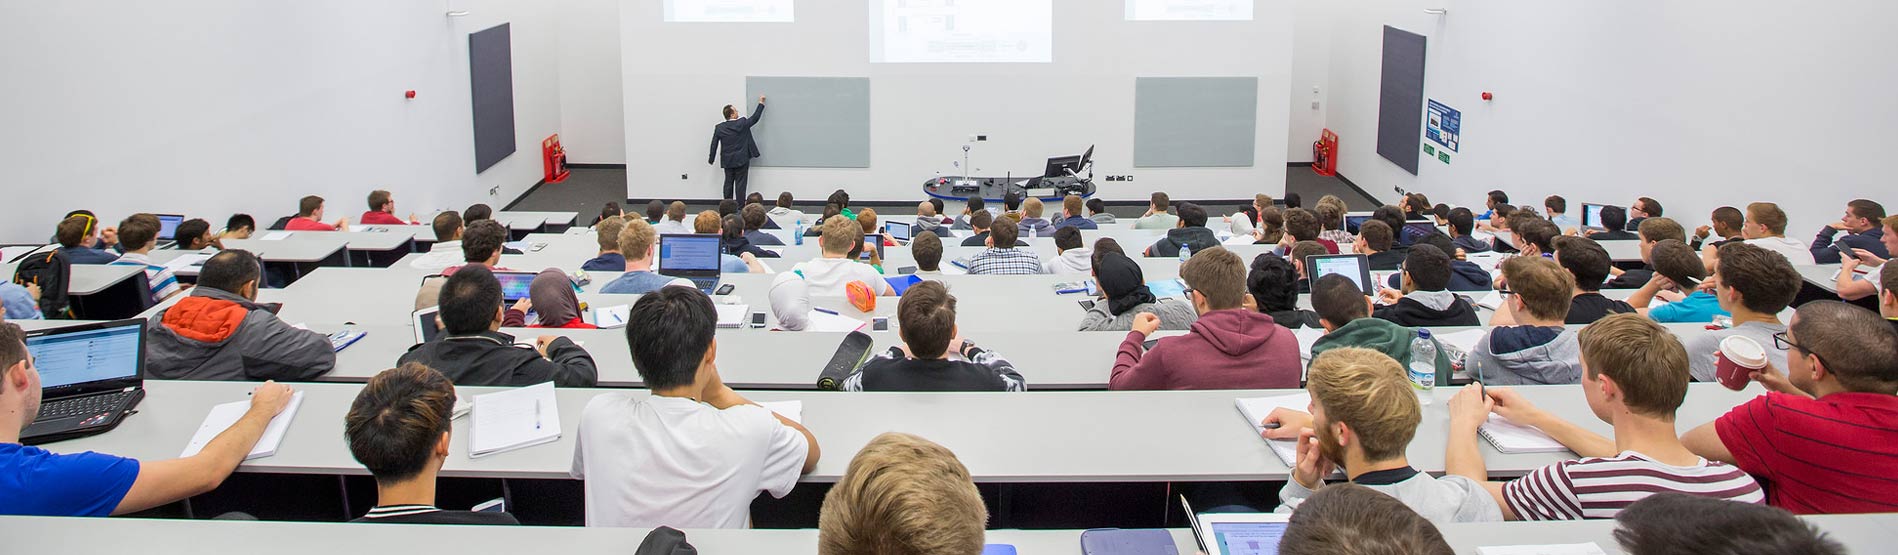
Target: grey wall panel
1400	101
1195	121
811	122
491	87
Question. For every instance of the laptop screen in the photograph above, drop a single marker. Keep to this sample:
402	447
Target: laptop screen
1420	228
1352	221
688	254
168	226
515	285
86	354
1591	215
426	327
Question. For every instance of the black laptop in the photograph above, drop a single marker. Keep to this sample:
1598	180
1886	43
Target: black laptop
91	375
693	257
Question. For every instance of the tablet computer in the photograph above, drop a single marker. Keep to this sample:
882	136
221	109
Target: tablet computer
1354	266
900	231
1237	533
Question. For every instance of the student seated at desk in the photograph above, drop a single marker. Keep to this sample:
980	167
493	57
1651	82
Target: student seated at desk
382	211
834	267
606	233
139	235
1462	223
1345	312
1071	215
1000	258
1032	224
1299	252
1754	285
1330	210
1824	438
1588	264
554	303
1851	288
1228	347
926	248
1426	300
639	242
310	217
1765	227
1464	275
1125	288
219	332
1634	377
239	226
737	243
1526	342
77	236
1723	227
1677	275
1651	231
754	219
1862	232
20	302
1302	225
195	234
970	206
693	454
480	246
37	482
675	220
1191	233
1070	257
446	251
473	351
1273	283
927	322
1349	519
980	224
709	223
783	213
1672	523
1534	236
398	427
1097	211
1156	216
1615	221
1375	243
1363	416
902	495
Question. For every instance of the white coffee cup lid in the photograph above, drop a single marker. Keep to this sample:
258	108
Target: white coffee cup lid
1744	351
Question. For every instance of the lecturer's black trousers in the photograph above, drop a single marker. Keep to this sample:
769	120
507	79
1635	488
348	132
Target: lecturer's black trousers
735	179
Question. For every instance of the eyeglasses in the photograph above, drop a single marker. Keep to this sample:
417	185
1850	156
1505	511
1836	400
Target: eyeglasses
1785	343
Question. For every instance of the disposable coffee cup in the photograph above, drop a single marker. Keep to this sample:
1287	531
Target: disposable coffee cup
1738	357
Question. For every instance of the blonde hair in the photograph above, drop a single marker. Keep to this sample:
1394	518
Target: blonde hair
706	222
1368	391
636	241
1031	208
608	232
840	235
867	219
1768	215
902	495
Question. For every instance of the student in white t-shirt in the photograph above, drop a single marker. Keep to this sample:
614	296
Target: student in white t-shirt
693	454
1765	227
1634	375
834	267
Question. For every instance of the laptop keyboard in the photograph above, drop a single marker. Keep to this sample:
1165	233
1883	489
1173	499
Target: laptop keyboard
82	406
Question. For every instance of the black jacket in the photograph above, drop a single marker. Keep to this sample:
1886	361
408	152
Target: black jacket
1586	308
982	239
1615	235
1630	279
735	135
1410	313
445	517
1296	318
490	358
1388	260
1196	238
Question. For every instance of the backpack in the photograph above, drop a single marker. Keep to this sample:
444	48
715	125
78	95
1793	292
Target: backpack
51	271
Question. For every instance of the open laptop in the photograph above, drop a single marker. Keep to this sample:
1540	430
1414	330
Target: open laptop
1354	266
691	256
515	285
1591	216
1418	228
427	326
1354	219
168	229
91	375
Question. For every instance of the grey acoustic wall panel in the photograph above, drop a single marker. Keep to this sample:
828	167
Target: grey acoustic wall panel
811	122
1195	121
1400	101
491	86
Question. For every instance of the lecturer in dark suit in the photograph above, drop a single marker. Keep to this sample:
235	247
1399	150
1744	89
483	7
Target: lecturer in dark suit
735	134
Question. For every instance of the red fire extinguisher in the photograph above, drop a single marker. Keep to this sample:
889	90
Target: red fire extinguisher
553	160
1324	154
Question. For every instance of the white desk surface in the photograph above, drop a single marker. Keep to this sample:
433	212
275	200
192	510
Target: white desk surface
93	278
290	249
1860	533
423	232
1102	436
522	220
359	240
1821	276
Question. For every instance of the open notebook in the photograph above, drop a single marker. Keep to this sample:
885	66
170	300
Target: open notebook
223	416
793	410
514	419
1510	437
1255	409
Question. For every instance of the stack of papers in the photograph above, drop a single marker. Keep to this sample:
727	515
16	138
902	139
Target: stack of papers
1512	438
1492	301
514	419
223	416
1255	410
732	315
830	321
275	236
793	410
1306	338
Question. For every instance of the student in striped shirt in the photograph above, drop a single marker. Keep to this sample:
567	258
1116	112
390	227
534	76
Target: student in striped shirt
139	233
1634	375
1824	439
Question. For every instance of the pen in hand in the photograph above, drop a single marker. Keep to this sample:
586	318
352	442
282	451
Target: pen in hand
536	415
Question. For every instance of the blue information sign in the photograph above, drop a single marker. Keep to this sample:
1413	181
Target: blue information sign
1444	126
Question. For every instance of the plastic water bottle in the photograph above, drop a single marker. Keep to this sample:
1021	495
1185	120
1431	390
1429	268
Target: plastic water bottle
1423	366
798	236
1034	232
1185	253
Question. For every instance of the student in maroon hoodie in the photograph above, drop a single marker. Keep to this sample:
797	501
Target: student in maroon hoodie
1230	347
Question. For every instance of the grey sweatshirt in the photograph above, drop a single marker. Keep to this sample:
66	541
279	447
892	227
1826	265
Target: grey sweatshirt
1174	314
1526	355
1440	500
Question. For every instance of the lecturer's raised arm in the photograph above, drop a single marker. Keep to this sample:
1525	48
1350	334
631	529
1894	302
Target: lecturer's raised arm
755	113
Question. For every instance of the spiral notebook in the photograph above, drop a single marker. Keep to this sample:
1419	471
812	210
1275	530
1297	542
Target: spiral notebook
1512	438
224	416
1255	410
514	419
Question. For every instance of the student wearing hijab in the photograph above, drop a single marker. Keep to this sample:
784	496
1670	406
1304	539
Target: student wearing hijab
1121	281
554	301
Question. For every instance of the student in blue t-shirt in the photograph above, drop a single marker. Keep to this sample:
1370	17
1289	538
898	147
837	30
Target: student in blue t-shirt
1677	276
36	482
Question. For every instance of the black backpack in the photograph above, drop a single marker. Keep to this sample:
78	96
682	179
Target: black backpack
51	271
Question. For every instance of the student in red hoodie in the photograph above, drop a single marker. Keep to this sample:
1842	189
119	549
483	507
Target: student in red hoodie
1229	347
551	298
310	217
382	211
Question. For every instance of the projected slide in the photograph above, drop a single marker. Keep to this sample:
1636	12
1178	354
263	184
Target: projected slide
1189	10
938	31
728	11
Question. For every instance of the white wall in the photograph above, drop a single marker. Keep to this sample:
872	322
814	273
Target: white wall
677	76
1696	104
1311	69
211	107
593	126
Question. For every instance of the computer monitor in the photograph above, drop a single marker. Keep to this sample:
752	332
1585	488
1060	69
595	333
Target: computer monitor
1086	157
1059	166
1354	219
1591	215
168	226
1354	266
88	358
515	285
689	255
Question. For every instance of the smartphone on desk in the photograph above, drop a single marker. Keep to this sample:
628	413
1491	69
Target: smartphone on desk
725	289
